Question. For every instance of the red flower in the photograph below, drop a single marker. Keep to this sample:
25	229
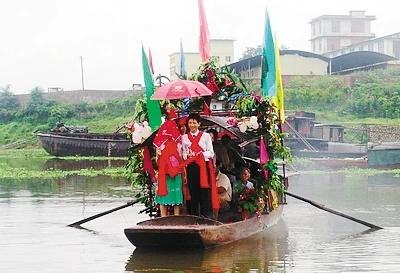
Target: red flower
212	86
227	82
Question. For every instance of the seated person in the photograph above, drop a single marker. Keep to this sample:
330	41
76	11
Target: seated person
240	185
224	187
244	181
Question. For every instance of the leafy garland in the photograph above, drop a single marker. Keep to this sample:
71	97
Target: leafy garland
134	172
226	85
263	108
138	177
222	81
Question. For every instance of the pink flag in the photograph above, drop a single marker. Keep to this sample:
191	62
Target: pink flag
264	156
204	39
151	62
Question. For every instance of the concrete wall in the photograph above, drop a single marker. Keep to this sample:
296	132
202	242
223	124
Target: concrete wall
299	65
76	96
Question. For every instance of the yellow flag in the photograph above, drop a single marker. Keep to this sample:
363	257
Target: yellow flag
279	99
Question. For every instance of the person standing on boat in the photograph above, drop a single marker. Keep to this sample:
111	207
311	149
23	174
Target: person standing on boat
169	162
198	152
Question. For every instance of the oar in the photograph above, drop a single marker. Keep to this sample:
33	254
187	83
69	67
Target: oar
320	206
102	214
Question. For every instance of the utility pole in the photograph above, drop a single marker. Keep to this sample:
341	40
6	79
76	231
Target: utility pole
83	83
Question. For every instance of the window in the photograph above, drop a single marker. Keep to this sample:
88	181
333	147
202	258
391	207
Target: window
335	26
313	29
370	47
333	44
227	58
357	26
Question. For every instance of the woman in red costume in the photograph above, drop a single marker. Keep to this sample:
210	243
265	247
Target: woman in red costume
169	191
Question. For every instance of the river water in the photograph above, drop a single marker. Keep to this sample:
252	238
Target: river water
34	236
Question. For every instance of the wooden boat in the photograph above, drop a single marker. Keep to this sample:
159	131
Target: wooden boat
196	232
85	144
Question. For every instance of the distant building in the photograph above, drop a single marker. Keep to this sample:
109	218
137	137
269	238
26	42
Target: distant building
388	45
223	49
334	32
293	63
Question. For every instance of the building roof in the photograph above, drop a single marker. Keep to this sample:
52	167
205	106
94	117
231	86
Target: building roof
357	60
345	16
256	60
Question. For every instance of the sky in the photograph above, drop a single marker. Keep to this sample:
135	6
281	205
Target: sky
42	40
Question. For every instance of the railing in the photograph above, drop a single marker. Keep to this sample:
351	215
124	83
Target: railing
308	145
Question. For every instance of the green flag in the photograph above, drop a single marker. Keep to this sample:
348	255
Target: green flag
268	69
153	106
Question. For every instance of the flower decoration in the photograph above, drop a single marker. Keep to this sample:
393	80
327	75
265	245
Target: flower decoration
140	132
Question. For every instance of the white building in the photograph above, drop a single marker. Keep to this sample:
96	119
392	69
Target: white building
293	63
389	45
222	49
334	32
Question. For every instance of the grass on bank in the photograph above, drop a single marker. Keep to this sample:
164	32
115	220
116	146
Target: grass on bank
39	153
7	172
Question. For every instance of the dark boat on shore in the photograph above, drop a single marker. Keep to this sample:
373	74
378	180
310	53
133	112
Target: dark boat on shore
85	144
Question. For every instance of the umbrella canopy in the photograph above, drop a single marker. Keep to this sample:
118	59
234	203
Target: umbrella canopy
180	89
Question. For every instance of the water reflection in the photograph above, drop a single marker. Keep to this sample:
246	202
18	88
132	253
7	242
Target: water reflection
264	252
73	186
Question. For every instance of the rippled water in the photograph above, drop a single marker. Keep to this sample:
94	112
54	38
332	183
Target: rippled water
34	236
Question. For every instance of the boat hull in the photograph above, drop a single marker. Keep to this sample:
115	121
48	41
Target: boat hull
195	232
85	144
384	156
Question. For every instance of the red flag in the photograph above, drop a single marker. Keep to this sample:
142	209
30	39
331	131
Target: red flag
151	62
206	109
204	40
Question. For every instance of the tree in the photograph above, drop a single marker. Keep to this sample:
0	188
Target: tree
36	109
8	101
251	52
